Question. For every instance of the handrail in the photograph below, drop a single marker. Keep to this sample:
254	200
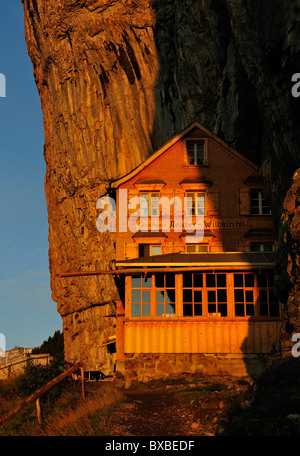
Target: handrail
24	360
36	395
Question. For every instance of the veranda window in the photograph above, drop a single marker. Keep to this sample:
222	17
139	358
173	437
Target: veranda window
254	295
156	292
192	289
244	289
203	294
141	296
209	290
268	304
165	295
216	285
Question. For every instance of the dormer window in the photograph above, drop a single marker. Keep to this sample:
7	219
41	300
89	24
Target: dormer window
195	152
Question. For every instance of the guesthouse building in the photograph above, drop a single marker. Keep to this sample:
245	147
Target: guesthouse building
195	251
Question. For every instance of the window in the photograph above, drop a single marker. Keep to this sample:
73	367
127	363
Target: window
149	204
198	289
156	292
141	296
259	205
216	286
192	294
165	295
195	203
250	290
195	153
203	294
268	304
146	250
244	289
155	250
197	248
262	247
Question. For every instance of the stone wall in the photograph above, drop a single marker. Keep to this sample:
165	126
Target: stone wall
145	367
16	368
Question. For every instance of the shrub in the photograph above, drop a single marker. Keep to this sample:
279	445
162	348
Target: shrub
36	376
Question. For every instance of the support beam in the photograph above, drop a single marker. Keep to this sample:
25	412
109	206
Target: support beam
153	270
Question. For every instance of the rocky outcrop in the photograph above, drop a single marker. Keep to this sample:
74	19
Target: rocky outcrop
288	272
117	79
95	66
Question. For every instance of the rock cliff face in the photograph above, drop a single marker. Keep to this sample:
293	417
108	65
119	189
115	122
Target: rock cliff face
117	79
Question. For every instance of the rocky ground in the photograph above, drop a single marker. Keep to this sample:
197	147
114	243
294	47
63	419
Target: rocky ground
213	406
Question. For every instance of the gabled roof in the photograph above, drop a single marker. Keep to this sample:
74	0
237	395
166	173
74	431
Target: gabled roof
173	141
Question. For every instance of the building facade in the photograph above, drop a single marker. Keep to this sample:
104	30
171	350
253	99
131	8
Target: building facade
195	253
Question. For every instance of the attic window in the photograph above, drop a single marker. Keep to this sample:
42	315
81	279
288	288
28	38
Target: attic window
195	152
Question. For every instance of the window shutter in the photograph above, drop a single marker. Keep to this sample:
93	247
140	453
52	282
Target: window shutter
244	201
214	196
131	250
132	208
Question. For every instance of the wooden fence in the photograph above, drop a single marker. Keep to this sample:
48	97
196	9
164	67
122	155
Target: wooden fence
15	367
37	394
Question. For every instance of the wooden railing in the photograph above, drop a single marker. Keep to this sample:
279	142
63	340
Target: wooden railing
17	365
37	394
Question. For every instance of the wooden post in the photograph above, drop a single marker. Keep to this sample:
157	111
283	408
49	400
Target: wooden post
39	410
120	312
82	382
36	394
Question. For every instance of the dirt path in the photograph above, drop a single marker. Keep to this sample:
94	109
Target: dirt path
163	412
152	413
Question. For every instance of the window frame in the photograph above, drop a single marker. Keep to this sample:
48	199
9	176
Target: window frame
269	289
194	202
196	141
197	250
136	303
150	248
153	301
245	289
261	246
193	289
230	309
149	204
256	296
261	200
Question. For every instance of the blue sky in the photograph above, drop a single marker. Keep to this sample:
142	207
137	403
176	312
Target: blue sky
28	315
